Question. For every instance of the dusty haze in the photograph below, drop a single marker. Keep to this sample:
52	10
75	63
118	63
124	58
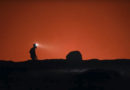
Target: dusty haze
99	29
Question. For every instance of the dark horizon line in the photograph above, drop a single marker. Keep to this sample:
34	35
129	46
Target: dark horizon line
93	59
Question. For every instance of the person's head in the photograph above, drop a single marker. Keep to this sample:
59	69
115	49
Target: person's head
34	45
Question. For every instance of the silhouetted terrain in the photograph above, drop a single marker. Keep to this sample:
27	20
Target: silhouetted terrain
60	74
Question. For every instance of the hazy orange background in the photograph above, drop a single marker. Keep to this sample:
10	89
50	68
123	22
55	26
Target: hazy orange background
99	29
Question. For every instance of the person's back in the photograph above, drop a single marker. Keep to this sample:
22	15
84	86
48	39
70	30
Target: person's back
33	53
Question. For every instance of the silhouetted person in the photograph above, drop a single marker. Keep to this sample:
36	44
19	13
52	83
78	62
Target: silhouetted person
74	57
33	52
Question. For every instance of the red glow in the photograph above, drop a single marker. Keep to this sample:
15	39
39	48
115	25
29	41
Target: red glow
97	29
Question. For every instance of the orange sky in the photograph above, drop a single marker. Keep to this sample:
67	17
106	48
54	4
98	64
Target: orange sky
99	29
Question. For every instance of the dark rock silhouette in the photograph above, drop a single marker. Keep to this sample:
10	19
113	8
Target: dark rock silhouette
33	52
57	74
71	73
96	79
74	57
